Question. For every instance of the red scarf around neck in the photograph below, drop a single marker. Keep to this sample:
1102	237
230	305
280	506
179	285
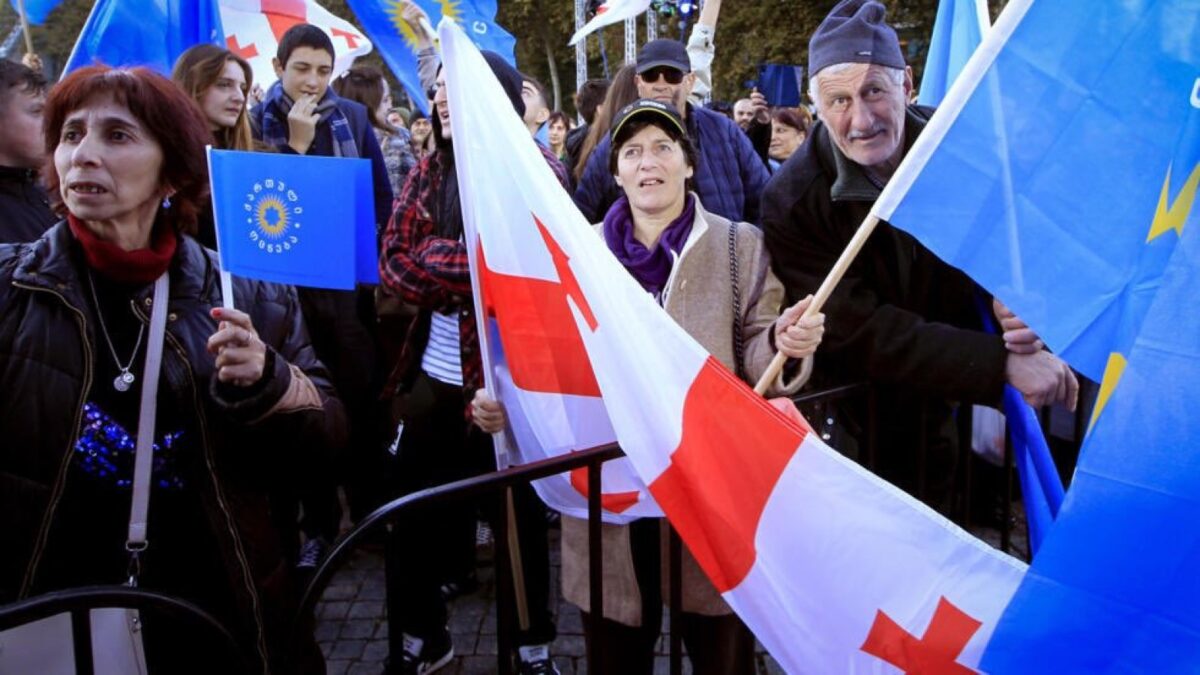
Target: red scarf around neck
127	267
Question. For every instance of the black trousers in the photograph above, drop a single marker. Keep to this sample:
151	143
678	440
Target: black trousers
716	645
438	445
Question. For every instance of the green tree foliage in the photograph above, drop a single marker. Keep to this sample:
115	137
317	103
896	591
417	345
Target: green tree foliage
749	33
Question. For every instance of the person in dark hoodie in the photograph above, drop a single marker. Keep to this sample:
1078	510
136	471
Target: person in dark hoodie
425	262
24	210
301	115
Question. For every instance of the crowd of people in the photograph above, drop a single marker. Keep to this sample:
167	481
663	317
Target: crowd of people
269	413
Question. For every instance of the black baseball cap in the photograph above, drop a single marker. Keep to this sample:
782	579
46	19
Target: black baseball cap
647	107
663	52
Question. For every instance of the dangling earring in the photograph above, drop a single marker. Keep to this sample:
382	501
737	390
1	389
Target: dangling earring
166	203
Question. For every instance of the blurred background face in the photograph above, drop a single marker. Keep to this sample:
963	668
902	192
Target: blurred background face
385	104
441	106
558	133
421	128
395	119
785	139
225	100
108	164
21	143
657	84
743	113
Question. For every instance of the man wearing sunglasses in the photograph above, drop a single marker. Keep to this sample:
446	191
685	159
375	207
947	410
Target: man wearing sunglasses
729	175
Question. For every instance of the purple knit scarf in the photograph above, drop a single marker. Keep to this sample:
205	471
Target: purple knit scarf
650	266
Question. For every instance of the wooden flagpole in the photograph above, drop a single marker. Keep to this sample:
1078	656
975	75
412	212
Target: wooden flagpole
823	293
25	26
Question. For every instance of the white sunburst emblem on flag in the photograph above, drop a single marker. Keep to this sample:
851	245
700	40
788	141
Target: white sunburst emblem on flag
395	9
273	214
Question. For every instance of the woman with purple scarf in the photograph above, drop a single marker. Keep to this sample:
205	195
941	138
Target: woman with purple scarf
713	277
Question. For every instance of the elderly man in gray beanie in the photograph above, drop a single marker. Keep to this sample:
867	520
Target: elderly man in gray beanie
901	318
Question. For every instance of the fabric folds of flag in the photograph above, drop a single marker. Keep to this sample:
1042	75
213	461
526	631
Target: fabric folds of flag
832	568
253	29
610	12
291	219
36	11
149	33
1075	204
957	30
397	42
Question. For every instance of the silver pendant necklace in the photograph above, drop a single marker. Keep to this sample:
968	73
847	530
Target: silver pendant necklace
124	379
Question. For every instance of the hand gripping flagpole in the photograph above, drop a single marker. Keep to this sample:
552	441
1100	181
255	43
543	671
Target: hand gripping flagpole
831	281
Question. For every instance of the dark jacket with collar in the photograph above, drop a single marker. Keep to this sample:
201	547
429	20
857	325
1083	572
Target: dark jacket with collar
901	317
48	346
24	210
729	175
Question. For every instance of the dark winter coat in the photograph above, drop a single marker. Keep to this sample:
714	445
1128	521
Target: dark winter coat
49	344
901	318
729	175
24	210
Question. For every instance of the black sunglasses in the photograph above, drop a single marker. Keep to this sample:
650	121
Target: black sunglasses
673	75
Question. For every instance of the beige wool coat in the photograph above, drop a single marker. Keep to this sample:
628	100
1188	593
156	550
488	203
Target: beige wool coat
699	297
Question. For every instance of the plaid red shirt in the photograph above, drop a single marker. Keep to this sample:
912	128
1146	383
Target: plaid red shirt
433	273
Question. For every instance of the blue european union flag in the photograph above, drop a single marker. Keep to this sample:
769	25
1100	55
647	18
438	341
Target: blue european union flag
145	32
957	31
1073	200
36	11
396	42
307	221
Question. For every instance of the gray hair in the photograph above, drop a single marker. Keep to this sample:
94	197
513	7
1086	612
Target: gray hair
896	75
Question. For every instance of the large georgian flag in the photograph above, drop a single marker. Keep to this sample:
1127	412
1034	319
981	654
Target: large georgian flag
253	29
832	568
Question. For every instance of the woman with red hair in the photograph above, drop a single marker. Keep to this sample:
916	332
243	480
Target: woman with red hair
240	395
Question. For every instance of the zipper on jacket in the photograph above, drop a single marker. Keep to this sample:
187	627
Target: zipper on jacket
247	577
61	479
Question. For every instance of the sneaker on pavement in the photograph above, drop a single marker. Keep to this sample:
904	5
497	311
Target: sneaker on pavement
535	660
311	553
422	657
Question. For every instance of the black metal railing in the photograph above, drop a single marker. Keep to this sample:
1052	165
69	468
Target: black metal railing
79	602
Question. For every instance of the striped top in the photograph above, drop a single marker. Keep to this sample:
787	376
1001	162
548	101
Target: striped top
443	354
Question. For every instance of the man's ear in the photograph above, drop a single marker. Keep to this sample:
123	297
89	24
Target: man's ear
278	67
908	83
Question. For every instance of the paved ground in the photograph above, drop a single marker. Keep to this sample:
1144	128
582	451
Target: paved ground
352	626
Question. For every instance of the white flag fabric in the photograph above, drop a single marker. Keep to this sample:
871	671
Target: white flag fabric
253	29
833	569
610	12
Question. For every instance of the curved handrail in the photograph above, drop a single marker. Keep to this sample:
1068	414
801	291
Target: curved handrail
83	598
460	489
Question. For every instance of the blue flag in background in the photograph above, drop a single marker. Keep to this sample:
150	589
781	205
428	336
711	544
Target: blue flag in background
1115	587
396	42
1062	179
145	32
957	31
307	221
36	11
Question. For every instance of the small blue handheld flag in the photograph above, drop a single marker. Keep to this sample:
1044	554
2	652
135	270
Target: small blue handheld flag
307	221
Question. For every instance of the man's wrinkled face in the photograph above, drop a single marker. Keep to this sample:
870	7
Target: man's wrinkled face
863	108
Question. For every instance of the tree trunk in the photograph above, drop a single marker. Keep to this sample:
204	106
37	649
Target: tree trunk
553	74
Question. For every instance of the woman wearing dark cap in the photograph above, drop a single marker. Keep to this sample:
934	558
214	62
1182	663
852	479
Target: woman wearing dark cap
238	393
681	254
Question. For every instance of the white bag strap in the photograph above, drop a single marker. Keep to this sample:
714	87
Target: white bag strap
143	459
